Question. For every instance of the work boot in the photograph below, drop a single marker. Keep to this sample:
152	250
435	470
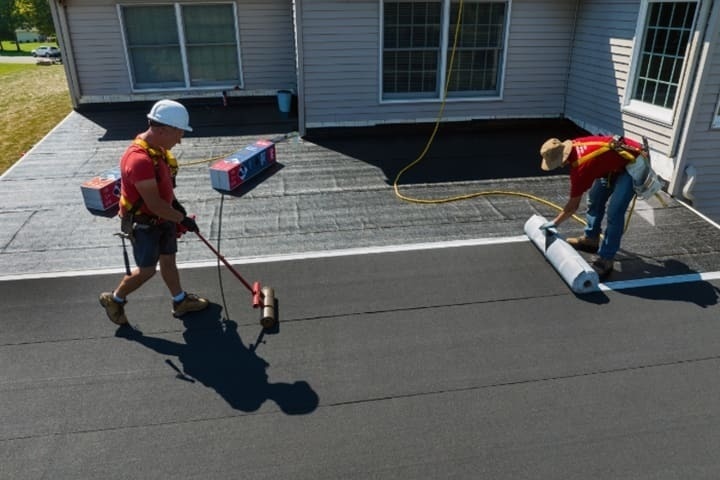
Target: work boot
115	311
584	243
191	303
603	267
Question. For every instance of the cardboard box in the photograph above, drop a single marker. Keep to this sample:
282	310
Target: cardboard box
102	192
229	173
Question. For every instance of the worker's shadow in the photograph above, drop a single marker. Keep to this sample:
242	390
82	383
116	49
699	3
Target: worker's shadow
214	355
690	286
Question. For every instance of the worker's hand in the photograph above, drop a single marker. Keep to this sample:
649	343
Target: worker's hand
178	206
549	228
190	224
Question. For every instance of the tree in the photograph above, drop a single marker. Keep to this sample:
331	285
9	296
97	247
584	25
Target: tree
7	21
36	13
28	14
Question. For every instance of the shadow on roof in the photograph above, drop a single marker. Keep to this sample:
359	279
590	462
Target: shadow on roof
208	117
466	151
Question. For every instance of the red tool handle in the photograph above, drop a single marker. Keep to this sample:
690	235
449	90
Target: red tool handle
227	264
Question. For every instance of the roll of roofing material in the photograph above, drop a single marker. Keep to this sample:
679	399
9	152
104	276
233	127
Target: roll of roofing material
576	272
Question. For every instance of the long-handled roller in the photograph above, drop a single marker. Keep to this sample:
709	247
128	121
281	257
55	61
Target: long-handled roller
261	296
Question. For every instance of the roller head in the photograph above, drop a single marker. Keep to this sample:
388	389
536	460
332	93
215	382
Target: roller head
268	318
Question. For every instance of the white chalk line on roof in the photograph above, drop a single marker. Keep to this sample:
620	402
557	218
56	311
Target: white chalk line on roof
607	286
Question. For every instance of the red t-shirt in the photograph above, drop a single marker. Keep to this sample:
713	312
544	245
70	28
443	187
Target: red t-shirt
136	165
584	174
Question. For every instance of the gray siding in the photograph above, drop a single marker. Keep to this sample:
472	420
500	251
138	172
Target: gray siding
599	72
702	146
266	43
342	61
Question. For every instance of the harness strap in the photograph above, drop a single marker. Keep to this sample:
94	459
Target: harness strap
155	155
622	148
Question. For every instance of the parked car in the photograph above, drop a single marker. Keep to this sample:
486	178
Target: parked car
46	51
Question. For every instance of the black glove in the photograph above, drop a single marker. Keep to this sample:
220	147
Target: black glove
190	224
177	206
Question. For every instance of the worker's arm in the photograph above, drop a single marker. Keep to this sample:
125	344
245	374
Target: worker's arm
568	210
150	194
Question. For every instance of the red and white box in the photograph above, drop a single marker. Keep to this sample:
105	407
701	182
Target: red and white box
102	192
229	173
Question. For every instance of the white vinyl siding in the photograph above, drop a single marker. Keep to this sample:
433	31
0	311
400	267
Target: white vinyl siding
342	67
599	75
266	38
702	143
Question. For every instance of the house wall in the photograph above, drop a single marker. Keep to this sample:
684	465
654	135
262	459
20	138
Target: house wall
341	84
266	43
599	72
702	143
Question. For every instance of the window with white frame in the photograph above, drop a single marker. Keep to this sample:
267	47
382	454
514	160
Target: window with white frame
418	39
666	34
182	46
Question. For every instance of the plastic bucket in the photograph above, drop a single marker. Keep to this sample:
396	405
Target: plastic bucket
284	98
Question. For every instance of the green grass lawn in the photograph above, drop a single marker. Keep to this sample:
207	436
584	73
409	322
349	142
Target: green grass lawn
33	100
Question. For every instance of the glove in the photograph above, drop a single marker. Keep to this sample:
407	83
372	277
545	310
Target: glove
190	224
177	206
549	228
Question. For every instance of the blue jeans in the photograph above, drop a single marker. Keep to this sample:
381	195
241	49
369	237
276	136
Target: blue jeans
612	196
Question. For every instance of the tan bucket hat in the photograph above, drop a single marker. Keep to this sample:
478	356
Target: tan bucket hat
554	153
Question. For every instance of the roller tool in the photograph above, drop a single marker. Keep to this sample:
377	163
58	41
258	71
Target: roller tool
262	296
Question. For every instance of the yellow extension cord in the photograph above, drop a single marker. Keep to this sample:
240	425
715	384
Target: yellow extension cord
468	196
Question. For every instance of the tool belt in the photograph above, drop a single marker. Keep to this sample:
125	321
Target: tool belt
143	219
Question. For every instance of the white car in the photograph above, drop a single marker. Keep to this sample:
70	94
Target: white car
46	51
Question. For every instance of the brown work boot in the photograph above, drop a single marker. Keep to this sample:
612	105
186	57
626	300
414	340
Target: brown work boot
191	303
115	311
603	267
585	244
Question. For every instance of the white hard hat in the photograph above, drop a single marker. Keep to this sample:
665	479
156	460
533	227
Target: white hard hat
172	113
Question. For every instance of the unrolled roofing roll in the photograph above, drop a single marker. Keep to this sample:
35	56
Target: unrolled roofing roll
576	272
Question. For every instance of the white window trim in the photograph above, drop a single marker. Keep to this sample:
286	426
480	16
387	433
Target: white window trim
183	54
637	108
446	43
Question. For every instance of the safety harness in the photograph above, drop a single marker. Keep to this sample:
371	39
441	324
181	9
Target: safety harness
617	143
645	180
156	156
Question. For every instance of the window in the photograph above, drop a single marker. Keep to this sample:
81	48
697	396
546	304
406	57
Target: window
478	55
666	34
418	42
182	46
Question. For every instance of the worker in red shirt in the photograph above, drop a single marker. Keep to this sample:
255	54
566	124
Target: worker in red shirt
597	166
150	212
